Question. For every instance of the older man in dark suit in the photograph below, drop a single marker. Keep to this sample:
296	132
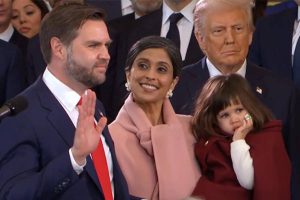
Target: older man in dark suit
224	32
42	154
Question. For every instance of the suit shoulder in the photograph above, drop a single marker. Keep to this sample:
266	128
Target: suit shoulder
272	78
192	68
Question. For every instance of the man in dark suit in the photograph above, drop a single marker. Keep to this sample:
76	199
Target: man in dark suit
42	155
224	34
12	75
272	45
155	23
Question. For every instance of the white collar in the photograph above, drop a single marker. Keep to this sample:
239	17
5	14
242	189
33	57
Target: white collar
6	35
187	12
67	97
298	17
213	71
125	3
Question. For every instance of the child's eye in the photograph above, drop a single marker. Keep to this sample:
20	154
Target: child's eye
223	115
238	110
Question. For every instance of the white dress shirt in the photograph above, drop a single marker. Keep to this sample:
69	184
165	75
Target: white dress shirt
296	33
69	99
213	71
6	35
185	25
126	7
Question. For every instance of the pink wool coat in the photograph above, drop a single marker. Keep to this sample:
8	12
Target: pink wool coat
158	162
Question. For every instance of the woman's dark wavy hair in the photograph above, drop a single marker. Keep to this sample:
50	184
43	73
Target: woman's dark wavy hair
155	42
42	6
220	92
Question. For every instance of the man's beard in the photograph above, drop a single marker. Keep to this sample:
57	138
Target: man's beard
83	74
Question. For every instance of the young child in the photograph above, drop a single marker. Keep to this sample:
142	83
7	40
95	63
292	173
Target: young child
240	147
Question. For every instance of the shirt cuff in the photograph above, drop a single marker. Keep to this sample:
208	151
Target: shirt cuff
77	168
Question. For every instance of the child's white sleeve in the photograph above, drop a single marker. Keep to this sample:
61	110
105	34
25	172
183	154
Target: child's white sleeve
242	163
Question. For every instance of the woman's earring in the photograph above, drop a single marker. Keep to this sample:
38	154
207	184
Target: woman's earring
127	85
169	93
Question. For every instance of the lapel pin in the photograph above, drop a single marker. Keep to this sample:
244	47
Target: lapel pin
259	90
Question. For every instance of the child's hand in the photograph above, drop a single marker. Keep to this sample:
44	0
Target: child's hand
242	131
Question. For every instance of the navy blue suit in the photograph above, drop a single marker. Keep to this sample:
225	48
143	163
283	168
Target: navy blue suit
20	41
277	94
12	71
35	63
34	158
271	47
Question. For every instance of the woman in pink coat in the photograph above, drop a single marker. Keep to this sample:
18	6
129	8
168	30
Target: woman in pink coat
154	146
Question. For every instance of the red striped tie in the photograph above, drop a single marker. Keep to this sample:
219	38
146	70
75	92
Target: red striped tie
100	164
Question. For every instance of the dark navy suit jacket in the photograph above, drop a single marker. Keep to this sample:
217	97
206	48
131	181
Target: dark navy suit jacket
20	41
35	64
34	157
276	93
271	47
12	71
112	8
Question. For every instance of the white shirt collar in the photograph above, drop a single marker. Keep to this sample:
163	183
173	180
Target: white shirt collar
67	97
187	12
213	71
126	7
298	17
6	35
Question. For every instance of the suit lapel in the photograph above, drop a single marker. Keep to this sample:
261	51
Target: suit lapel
56	113
63	124
255	78
194	52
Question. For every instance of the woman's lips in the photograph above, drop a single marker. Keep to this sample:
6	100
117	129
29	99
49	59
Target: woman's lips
24	30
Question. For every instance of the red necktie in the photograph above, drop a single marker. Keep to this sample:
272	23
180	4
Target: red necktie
100	164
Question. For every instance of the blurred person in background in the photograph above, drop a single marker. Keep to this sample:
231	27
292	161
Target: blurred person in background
7	31
27	16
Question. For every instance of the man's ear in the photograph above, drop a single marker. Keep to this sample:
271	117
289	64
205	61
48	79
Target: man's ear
58	49
200	40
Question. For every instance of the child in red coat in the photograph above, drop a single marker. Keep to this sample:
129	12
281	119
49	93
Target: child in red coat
240	147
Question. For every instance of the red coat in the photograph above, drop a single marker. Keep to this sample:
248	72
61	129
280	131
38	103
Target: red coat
271	164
